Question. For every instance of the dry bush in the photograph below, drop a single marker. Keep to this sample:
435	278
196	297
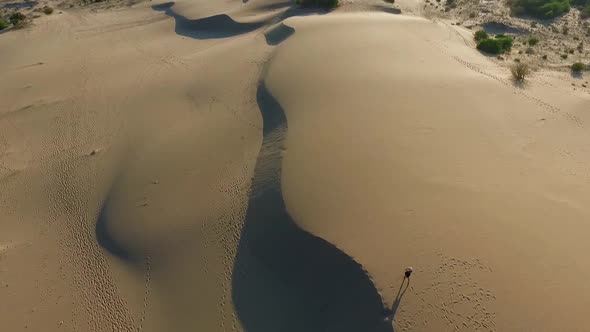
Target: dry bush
520	71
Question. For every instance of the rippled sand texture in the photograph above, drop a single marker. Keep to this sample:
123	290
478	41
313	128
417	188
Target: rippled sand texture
229	166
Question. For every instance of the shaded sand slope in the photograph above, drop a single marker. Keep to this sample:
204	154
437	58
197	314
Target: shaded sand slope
405	152
284	278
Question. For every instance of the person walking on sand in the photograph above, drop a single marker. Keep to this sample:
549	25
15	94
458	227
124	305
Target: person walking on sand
408	272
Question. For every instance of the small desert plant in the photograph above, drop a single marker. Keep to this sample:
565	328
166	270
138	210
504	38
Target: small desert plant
17	18
533	41
564	56
472	15
47	10
578	67
530	51
544	57
3	24
520	71
571	51
480	35
581	47
533	24
565	30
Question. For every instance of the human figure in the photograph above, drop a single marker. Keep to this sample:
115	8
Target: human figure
390	313
408	272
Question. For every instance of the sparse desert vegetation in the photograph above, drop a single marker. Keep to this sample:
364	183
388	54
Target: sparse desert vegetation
547	9
542	42
544	9
520	71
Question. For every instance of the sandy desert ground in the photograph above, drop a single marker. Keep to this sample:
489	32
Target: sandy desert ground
229	166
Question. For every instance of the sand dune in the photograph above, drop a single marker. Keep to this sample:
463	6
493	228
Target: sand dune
229	166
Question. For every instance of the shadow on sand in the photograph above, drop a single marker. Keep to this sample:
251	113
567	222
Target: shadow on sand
390	313
223	26
278	34
387	9
217	26
284	278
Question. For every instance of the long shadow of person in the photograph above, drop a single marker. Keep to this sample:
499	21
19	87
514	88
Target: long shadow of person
288	280
390	313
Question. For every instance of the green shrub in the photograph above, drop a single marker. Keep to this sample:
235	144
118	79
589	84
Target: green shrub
326	4
3	24
533	41
480	35
47	10
498	45
585	11
578	67
17	18
544	9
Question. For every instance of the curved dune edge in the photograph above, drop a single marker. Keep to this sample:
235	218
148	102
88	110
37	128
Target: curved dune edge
217	26
284	278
